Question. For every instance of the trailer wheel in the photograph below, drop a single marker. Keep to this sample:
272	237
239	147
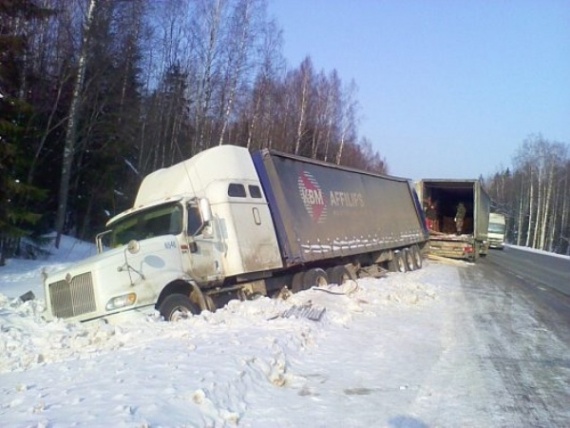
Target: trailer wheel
397	264
399	261
297	282
338	275
417	256
316	276
408	259
177	307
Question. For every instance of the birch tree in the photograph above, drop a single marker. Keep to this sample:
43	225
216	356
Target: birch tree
240	41
117	89
323	111
335	112
303	81
70	135
537	194
209	17
263	100
347	119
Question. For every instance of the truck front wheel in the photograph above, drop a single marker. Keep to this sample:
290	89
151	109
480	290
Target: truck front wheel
177	307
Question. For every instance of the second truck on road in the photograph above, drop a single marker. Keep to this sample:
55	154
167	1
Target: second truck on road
457	214
497	229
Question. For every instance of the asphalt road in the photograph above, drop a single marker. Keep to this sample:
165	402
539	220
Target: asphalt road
534	268
520	305
542	280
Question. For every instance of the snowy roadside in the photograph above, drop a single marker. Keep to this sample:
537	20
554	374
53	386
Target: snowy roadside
400	351
243	365
543	252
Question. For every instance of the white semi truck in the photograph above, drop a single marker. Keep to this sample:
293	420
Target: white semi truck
228	224
497	227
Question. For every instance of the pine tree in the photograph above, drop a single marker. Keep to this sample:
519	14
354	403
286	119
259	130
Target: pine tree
16	197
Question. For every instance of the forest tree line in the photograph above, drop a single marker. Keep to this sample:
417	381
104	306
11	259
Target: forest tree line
535	195
95	94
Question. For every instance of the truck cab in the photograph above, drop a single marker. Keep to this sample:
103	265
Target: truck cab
194	228
497	229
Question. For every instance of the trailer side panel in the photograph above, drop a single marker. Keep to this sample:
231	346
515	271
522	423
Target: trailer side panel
322	211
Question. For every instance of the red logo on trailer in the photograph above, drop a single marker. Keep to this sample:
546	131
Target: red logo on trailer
312	196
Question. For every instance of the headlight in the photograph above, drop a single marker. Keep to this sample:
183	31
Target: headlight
121	301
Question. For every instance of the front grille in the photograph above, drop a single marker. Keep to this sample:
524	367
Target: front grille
73	298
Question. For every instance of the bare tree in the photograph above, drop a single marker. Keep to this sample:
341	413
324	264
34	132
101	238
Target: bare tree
70	137
348	113
240	42
537	196
262	101
51	44
304	82
335	112
208	20
554	157
121	88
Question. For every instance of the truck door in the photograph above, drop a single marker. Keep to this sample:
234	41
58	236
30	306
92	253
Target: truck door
204	256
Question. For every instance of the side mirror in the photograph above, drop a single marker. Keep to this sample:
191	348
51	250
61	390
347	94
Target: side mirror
205	210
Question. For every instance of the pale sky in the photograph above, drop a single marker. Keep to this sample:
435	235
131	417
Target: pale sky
447	89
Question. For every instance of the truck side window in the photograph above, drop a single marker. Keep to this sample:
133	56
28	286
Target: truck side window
236	190
254	191
194	219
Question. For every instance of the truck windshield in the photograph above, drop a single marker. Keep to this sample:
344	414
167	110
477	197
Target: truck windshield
496	228
156	221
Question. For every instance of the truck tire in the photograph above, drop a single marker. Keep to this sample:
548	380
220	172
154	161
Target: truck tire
408	259
297	282
338	275
417	256
397	263
315	277
177	307
393	263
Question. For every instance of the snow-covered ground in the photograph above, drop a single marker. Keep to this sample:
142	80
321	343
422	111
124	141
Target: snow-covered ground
389	352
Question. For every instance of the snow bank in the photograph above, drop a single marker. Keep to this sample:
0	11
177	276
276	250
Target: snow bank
244	365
